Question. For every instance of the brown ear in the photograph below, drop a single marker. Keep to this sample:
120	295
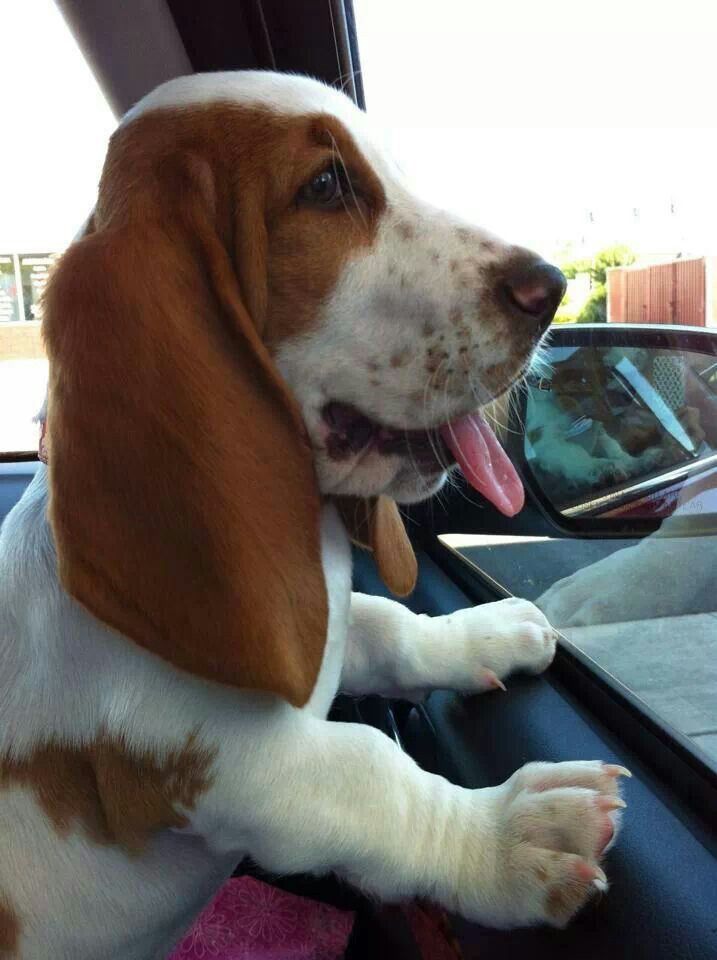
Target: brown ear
184	503
376	525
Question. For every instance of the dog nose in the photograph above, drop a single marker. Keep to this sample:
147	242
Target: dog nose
533	290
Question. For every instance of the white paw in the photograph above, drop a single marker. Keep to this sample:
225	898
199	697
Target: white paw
551	824
500	638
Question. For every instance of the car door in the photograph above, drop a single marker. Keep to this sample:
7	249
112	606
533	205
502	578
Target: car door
632	691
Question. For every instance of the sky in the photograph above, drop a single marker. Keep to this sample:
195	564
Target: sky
55	124
552	123
530	117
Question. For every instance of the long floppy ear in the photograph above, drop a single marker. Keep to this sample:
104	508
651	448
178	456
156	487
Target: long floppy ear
184	502
375	524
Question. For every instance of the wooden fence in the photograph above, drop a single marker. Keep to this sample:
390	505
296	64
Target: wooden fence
678	292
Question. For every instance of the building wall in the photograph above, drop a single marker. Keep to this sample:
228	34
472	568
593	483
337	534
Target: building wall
21	341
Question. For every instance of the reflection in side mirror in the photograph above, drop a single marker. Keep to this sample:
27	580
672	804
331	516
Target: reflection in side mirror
623	429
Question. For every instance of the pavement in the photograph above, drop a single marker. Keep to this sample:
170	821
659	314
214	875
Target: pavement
670	662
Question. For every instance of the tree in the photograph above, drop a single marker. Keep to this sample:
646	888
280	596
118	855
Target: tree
616	256
595	307
573	267
594	310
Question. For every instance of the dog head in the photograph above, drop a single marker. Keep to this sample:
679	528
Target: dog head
259	315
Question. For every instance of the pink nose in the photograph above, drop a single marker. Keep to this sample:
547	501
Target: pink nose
534	290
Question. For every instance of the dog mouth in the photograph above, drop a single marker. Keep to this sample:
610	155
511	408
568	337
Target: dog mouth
467	441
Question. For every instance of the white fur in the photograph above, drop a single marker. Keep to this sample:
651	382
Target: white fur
295	792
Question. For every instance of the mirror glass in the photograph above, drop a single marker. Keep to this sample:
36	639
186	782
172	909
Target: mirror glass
623	430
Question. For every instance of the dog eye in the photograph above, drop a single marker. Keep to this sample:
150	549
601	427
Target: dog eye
326	190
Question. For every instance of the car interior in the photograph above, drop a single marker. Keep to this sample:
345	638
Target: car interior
662	903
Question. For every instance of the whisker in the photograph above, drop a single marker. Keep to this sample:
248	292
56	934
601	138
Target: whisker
334	154
335	148
435	447
335	38
414	464
345	78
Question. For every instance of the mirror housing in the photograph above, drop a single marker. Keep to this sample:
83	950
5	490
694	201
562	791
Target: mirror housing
607	449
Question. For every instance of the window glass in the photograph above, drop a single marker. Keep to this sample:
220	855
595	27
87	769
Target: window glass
587	133
56	123
606	426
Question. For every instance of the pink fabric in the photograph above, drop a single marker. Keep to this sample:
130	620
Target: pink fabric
249	920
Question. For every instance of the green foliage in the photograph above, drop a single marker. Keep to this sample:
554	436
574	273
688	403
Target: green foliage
566	312
594	310
595	307
573	267
618	255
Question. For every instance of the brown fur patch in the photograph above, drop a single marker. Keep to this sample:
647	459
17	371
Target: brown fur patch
118	796
159	326
376	524
557	904
9	928
401	357
405	230
299	278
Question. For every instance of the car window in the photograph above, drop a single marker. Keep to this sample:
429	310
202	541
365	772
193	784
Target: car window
55	128
590	139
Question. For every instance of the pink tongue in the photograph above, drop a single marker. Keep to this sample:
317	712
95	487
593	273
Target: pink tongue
484	463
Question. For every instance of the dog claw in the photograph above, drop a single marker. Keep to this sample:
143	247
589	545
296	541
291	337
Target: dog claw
610	803
615	770
492	681
591	873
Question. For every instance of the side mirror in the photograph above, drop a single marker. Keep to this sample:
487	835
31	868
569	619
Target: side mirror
616	428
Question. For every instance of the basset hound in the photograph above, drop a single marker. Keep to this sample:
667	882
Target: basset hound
260	343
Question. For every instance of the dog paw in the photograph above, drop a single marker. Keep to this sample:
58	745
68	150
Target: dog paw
549	826
501	638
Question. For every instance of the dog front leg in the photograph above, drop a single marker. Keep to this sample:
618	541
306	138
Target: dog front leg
304	795
394	652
